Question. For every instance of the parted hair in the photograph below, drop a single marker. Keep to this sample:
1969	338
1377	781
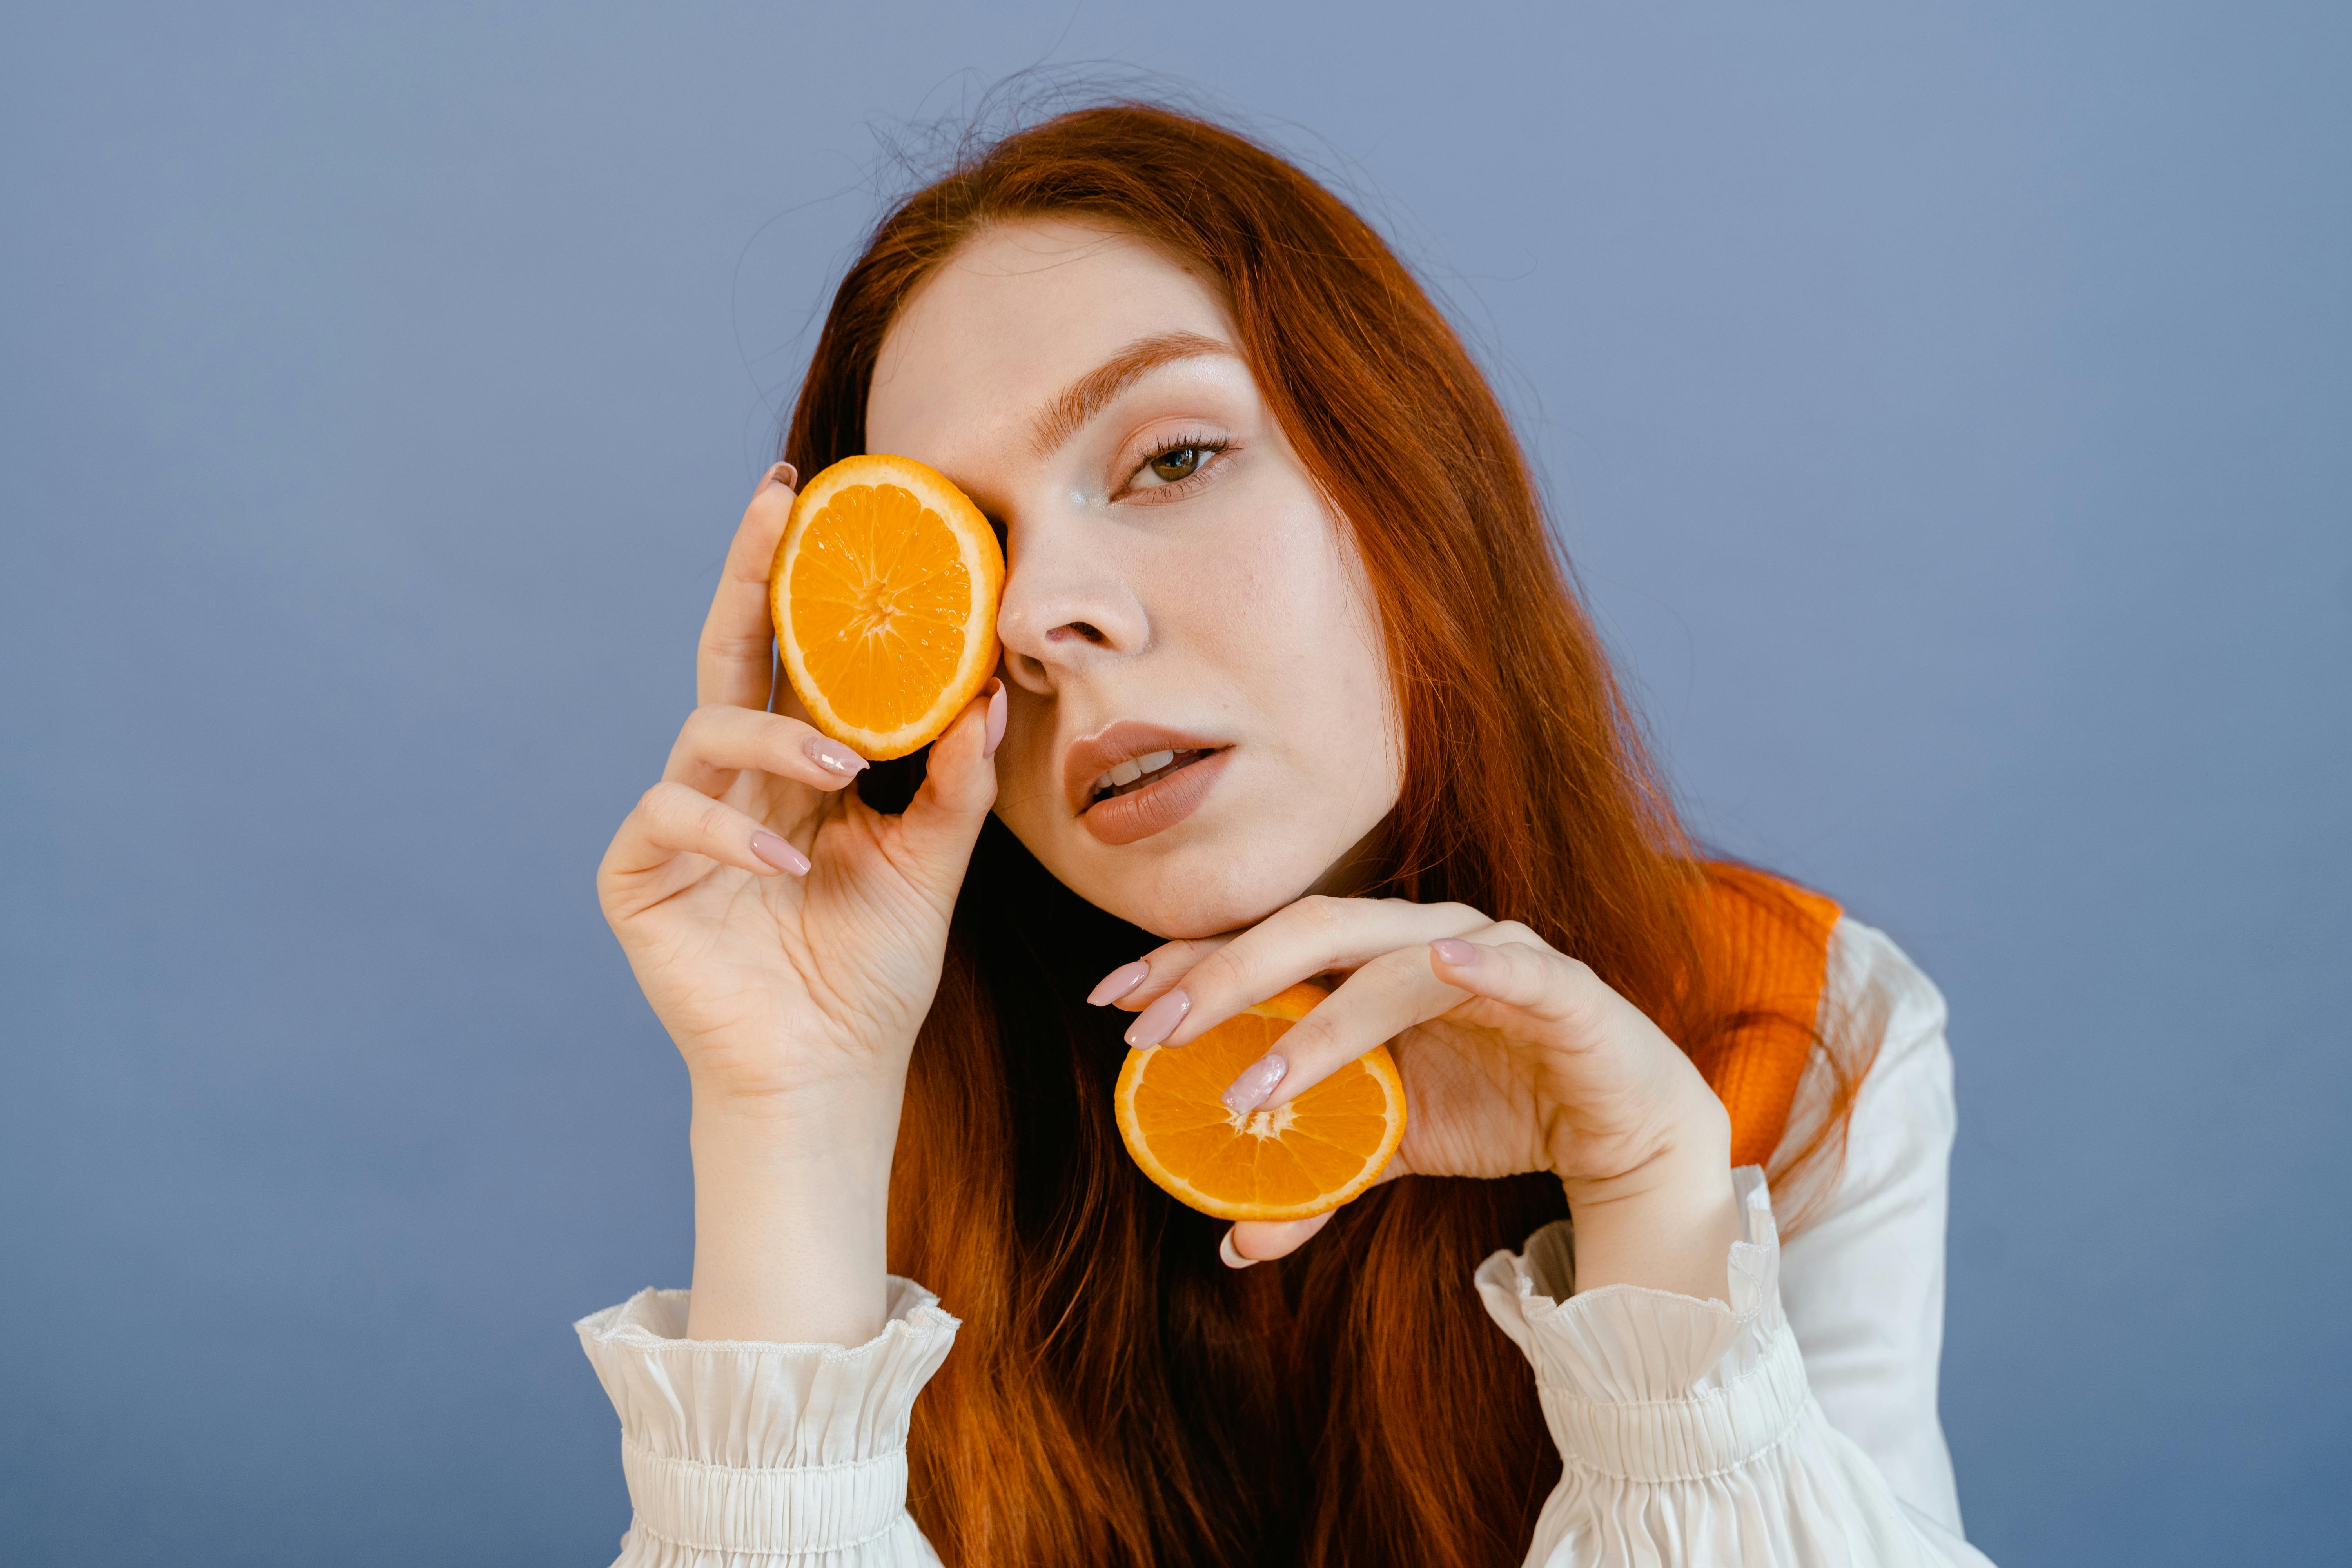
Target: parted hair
1117	1395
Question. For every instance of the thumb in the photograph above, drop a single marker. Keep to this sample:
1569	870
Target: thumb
941	822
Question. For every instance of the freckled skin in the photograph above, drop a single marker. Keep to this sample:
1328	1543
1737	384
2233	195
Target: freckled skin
1237	610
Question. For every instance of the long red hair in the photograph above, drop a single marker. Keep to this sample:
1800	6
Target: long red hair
1117	1395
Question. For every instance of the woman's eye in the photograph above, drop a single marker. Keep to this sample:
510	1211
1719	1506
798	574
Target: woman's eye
1178	464
1175	467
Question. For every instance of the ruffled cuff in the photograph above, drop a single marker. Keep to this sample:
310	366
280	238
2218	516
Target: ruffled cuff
1647	1386
738	1450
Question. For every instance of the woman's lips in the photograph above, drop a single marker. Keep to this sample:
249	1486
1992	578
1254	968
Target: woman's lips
1161	803
1126	740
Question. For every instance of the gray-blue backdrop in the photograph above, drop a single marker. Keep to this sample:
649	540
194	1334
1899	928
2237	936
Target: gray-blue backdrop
1948	409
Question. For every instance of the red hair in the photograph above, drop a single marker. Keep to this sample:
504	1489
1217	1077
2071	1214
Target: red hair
1117	1395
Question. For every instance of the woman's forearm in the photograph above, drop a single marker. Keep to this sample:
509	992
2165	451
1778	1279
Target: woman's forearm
791	1212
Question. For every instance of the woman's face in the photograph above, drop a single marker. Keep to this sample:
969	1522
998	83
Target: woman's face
1179	598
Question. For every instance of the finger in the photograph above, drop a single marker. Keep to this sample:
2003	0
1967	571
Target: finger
941	822
1132	986
1380	1001
718	741
1256	1240
671	819
1527	976
734	662
1304	939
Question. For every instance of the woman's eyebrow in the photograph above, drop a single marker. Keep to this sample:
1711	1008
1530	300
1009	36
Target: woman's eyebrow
1084	397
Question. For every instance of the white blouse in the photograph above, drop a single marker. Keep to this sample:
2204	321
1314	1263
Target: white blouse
1792	1425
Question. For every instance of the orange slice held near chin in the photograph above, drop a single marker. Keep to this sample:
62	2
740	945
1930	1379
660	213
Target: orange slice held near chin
884	592
1297	1159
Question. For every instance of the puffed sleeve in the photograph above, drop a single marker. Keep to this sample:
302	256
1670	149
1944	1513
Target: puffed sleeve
783	1456
1689	1431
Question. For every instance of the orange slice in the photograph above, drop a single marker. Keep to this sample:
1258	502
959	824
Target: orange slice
1303	1156
884	592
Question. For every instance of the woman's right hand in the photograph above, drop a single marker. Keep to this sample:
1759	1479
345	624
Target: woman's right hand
789	936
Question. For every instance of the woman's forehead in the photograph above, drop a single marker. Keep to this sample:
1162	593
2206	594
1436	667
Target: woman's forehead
1019	313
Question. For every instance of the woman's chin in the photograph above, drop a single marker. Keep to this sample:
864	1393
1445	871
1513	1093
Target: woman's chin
1175	901
1222	869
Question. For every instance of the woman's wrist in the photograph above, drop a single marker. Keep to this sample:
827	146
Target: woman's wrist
1666	1224
791	1218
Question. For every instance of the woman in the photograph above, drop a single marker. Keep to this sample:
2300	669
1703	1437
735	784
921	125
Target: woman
1261	513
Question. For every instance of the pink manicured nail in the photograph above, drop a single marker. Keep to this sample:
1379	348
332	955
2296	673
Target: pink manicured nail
833	757
1158	1021
1225	1251
1255	1085
781	474
996	705
1117	984
779	854
1460	954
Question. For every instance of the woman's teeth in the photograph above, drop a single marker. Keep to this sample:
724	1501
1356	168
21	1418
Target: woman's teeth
1137	772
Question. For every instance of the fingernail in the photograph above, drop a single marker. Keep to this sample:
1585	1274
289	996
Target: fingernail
1255	1086
1117	984
779	854
1460	954
833	756
996	705
1158	1021
1225	1251
781	474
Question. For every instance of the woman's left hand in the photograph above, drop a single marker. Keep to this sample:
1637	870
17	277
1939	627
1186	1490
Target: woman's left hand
1515	1058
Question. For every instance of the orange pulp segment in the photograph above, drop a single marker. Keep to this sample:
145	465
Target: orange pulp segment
884	592
1298	1158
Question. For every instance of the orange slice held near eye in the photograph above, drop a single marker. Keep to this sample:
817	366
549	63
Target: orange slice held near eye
1297	1159
884	592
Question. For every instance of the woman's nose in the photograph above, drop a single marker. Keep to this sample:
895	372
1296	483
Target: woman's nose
1067	606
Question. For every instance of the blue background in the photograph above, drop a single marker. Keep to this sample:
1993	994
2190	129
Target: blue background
1948	409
